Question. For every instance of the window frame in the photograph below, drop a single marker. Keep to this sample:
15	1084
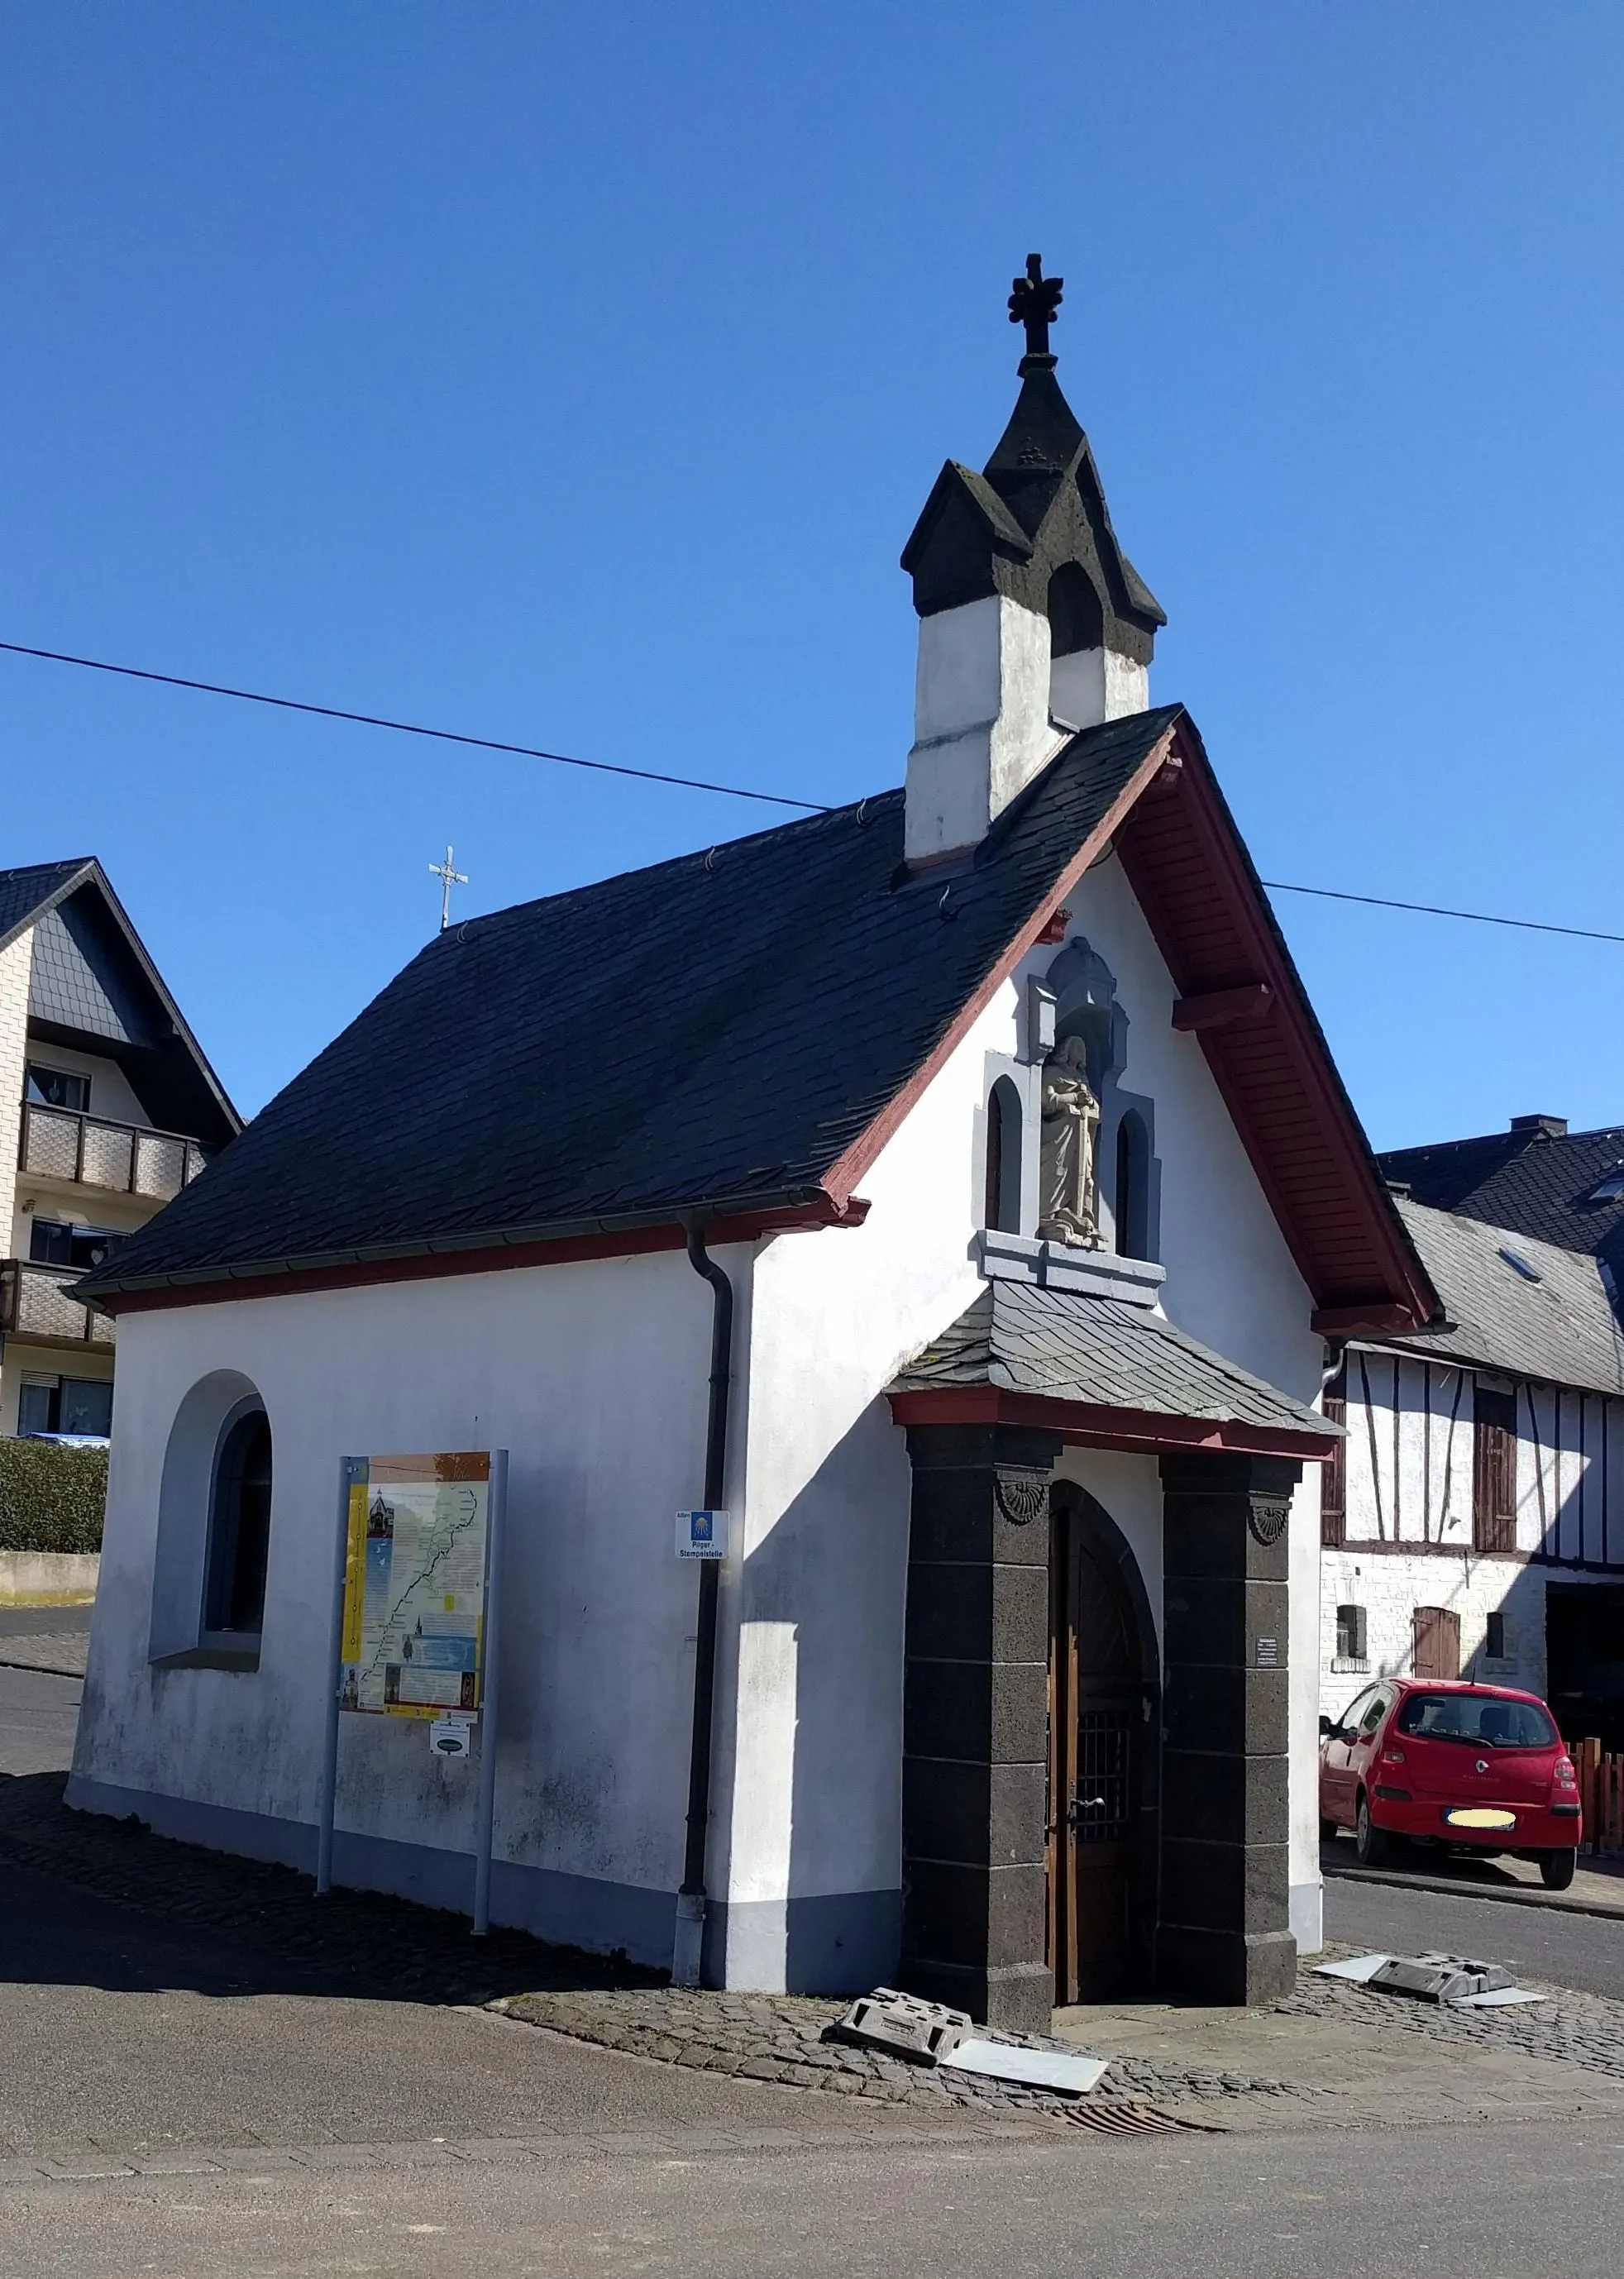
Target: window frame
31	1099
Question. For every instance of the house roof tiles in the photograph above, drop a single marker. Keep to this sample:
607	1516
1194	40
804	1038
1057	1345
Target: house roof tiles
1553	1317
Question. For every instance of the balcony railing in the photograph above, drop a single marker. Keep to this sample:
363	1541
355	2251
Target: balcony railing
34	1303
58	1144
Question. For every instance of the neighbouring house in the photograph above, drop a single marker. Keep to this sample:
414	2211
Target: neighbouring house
982	1132
1473	1525
108	1109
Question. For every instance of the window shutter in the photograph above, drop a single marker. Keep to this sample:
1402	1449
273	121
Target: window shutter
1437	1652
1494	1471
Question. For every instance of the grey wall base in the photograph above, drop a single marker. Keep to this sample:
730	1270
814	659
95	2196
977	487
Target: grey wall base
835	1943
827	1943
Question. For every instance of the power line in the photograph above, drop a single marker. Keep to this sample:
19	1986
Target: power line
413	728
1435	910
727	791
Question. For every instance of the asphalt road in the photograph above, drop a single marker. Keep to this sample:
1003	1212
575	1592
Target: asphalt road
37	1716
1494	2202
118	2029
1582	1951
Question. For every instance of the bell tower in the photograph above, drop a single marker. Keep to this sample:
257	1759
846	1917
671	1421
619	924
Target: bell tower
1033	621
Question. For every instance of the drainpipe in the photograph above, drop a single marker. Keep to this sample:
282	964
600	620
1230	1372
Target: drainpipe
690	1932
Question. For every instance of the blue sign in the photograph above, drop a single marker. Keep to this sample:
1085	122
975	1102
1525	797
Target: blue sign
701	1535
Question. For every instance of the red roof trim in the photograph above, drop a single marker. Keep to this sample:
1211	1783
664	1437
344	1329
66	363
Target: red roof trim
1212	922
1201	899
433	1266
1142	1431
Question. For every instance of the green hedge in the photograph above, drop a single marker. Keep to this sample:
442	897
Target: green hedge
51	1498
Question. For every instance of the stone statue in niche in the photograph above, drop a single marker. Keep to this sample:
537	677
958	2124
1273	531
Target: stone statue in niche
1068	1161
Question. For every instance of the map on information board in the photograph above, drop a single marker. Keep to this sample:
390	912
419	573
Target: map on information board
414	1583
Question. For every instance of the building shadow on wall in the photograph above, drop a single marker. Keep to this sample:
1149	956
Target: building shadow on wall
833	1573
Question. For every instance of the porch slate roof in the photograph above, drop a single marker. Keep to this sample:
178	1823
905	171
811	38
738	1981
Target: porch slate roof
1562	1328
1101	1353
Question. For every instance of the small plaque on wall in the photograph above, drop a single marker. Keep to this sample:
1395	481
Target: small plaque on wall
702	1534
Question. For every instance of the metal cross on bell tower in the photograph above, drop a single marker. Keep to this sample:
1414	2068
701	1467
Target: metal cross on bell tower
447	879
1035	303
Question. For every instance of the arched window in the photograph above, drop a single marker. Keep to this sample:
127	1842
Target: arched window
1132	1187
239	1526
1003	1192
1077	621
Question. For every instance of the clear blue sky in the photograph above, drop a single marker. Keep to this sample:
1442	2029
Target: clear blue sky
574	374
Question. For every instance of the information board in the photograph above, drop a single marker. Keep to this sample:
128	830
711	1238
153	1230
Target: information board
413	1638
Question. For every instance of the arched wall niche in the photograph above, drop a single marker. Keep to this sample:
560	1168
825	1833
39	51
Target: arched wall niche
1004	1155
1087	1006
204	1421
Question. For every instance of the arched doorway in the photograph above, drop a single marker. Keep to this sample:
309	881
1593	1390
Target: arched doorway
1103	1789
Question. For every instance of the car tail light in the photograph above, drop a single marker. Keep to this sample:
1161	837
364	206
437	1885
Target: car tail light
1391	1756
1565	1776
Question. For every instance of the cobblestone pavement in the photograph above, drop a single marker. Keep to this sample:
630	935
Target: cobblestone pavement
785	2037
1567	2029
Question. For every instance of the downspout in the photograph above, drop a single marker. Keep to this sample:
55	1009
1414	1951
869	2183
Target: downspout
690	1932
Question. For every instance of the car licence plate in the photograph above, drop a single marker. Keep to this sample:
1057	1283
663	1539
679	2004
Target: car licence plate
1479	1815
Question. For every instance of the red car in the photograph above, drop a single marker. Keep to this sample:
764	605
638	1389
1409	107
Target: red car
1478	1766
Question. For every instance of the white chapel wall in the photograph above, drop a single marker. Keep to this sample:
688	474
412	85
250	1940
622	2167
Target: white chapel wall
594	1376
827	1484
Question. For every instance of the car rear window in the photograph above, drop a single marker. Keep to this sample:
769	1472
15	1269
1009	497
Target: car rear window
1486	1722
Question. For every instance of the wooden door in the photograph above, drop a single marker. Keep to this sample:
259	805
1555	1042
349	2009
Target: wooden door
1438	1642
1096	1720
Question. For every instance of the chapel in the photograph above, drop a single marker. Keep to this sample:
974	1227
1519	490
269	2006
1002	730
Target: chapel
973	1239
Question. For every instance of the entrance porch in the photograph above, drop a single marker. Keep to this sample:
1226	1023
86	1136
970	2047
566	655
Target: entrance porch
1087	1810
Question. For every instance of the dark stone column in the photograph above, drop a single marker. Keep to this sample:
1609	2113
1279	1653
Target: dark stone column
975	1746
1223	1934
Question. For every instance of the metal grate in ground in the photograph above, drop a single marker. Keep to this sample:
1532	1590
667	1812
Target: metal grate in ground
1131	2121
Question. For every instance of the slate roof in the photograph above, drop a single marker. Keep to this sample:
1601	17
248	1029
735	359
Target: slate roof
1562	1328
715	1031
1100	1352
1538	1182
94	983
24	892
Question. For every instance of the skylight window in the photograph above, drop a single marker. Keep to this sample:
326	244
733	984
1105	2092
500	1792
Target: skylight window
1518	1264
1609	1187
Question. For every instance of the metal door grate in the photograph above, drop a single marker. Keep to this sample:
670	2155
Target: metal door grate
1100	1809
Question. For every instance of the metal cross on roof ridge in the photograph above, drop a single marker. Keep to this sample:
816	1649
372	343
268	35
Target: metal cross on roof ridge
1035	303
447	879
